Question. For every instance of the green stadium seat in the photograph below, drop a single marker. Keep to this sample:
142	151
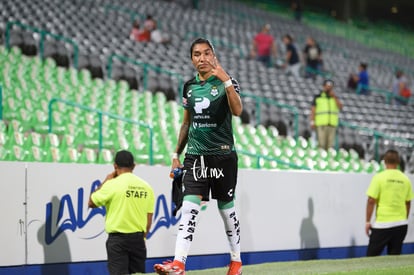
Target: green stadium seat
321	165
345	166
261	131
297	161
368	167
310	163
52	140
105	156
332	153
34	139
302	143
88	155
270	164
343	155
67	141
37	154
53	154
276	152
290	142
71	155
376	167
353	154
245	161
323	154
356	166
273	132
288	152
300	152
3	126
5	153
19	153
12	108
334	165
15	138
3	139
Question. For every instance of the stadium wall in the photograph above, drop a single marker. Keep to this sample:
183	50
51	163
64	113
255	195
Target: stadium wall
285	215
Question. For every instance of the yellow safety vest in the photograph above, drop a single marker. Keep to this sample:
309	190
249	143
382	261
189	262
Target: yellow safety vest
326	111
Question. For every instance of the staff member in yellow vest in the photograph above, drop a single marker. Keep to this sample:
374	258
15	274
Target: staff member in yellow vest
390	192
129	203
325	115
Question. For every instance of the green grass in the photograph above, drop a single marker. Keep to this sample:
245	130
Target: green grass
383	265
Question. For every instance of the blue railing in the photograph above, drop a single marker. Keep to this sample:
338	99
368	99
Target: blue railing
278	161
43	34
100	124
146	67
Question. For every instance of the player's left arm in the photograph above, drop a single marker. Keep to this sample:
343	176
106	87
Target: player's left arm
232	91
233	98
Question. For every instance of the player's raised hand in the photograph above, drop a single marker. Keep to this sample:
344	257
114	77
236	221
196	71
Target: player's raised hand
217	70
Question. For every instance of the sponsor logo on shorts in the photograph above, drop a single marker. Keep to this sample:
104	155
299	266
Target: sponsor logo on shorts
200	172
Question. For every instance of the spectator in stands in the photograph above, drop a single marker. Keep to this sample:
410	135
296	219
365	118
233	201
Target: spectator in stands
400	88
210	99
292	64
390	191
150	24
157	35
360	81
325	115
297	9
138	34
312	54
264	46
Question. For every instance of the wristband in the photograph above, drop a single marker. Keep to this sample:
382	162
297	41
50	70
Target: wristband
175	156
228	83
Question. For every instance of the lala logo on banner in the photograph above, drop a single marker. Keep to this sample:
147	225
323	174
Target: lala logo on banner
70	218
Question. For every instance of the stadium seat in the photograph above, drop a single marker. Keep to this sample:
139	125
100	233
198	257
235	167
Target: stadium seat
37	154
19	153
105	156
88	155
29	83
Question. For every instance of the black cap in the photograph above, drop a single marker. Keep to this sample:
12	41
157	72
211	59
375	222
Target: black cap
124	159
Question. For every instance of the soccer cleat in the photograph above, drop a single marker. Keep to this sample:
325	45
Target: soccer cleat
235	268
170	268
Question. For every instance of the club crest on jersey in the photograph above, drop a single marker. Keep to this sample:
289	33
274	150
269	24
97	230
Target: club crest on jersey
214	91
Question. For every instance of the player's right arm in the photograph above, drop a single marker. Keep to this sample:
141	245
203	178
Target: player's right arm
371	202
182	139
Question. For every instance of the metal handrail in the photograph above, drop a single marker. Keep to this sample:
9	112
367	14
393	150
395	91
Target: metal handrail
43	33
258	100
279	161
324	74
216	41
132	14
1	102
376	135
388	94
100	125
146	67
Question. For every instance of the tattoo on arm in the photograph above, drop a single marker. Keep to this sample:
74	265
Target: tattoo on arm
182	137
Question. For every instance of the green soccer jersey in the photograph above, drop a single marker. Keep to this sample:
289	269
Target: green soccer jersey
127	199
392	189
210	130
